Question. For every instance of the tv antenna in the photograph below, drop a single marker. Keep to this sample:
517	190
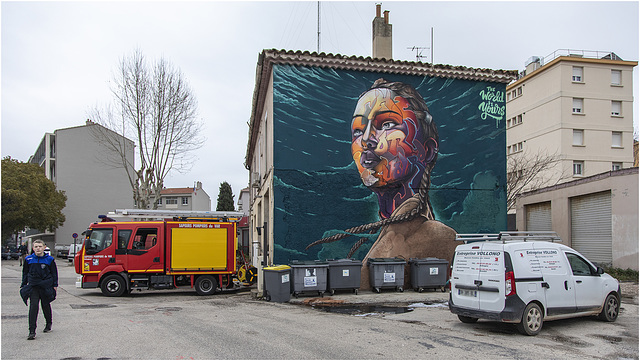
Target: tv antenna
419	49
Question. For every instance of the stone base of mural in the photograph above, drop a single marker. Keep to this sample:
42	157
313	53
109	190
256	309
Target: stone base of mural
418	238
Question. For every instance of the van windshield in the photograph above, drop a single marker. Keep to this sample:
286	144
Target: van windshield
98	240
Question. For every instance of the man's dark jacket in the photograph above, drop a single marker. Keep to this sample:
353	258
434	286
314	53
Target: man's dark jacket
39	272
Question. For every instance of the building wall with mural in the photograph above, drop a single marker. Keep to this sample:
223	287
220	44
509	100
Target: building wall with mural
318	190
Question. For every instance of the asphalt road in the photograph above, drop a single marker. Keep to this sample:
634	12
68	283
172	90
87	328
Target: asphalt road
178	325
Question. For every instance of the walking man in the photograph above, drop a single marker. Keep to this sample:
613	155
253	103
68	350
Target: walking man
23	252
39	286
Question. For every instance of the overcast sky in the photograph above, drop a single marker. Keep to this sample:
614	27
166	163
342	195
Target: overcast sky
58	57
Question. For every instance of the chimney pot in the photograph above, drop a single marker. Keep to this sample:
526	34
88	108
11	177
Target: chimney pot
378	10
386	16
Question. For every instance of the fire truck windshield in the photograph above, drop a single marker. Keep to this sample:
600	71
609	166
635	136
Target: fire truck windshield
99	240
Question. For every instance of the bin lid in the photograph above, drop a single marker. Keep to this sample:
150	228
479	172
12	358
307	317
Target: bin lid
344	261
428	260
277	268
394	260
317	263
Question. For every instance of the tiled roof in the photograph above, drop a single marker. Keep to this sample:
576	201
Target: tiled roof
172	191
268	58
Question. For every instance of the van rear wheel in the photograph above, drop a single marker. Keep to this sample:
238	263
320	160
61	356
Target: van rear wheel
531	323
467	319
206	285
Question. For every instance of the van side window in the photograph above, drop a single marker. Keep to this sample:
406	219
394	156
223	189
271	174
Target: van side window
99	240
123	238
579	266
145	238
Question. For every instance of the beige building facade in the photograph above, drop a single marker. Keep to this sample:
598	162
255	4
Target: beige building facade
577	108
596	215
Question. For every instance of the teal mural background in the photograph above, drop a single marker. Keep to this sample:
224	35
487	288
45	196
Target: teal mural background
317	188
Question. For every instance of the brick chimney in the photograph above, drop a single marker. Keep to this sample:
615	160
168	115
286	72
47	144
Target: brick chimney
382	35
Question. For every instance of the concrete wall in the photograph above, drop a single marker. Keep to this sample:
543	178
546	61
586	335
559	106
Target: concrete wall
623	186
92	186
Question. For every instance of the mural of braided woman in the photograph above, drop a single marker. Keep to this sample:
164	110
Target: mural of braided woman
394	144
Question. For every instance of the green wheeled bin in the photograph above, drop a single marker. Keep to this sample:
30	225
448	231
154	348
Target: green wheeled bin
386	273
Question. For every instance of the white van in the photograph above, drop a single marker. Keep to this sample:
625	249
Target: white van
526	278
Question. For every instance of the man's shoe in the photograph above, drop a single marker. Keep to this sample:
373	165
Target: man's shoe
32	335
47	328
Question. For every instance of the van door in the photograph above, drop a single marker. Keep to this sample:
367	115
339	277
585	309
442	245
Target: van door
464	272
144	250
559	293
586	282
491	277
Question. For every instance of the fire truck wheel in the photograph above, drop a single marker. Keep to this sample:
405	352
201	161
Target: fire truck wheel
206	285
113	286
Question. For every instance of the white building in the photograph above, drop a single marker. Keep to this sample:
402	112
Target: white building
185	199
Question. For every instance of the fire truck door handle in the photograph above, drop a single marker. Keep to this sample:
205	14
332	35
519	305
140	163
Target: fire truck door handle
156	260
112	260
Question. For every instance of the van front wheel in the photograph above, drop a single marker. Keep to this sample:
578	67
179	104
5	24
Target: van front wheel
611	308
467	319
531	320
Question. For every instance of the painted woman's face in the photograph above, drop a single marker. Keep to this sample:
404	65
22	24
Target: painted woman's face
386	139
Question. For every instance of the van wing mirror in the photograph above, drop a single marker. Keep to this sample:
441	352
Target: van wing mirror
599	270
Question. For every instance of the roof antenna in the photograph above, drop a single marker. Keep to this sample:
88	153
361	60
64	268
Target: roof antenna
419	49
318	27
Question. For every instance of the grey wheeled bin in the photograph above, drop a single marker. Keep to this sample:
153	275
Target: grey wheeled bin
428	273
277	284
308	276
386	273
343	274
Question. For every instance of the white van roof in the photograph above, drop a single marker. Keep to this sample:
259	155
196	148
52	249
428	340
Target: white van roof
508	236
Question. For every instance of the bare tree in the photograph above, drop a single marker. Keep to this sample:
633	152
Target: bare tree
155	107
531	171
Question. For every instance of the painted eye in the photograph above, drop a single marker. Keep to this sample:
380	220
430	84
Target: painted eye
357	133
388	125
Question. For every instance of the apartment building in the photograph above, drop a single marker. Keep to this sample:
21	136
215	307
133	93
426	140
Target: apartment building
576	107
78	165
185	199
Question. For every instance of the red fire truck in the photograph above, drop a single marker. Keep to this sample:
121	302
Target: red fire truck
184	248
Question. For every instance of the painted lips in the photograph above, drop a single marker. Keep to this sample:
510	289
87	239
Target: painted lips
369	159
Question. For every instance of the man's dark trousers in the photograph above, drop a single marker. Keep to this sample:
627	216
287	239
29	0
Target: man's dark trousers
34	300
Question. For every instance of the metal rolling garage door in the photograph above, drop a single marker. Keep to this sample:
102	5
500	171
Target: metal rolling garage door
591	226
539	217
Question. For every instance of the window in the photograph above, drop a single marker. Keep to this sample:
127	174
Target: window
185	201
123	238
159	201
578	167
578	137
577	74
579	267
616	165
616	77
577	105
99	239
516	147
616	108
145	238
171	200
509	149
616	139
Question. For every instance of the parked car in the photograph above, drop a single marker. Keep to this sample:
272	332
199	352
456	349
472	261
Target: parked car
10	253
519	278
